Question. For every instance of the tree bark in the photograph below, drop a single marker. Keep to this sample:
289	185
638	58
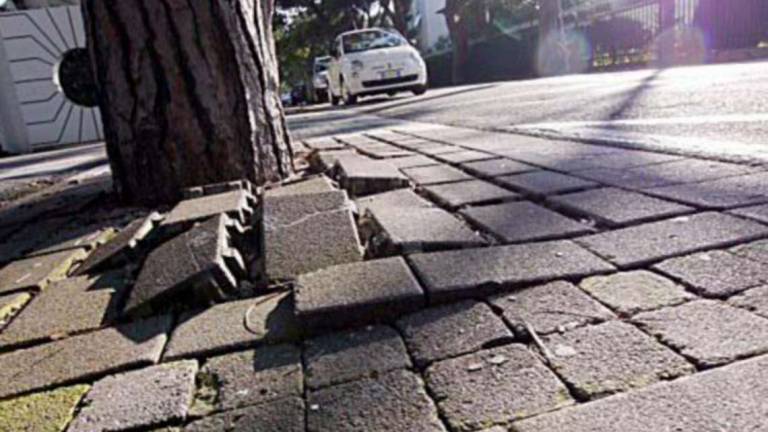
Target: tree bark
189	94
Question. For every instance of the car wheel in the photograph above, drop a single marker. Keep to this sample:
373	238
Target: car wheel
349	98
420	90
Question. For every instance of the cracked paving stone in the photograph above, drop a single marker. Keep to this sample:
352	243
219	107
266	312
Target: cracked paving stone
757	251
754	300
719	194
49	411
464	156
758	213
348	356
454	195
152	396
628	293
452	330
524	221
401	198
413	162
494	387
361	176
613	357
616	207
710	332
429	175
286	415
233	325
716	273
359	292
545	183
549	308
395	401
643	244
122	248
85	356
68	306
496	168
477	272
36	272
255	376
731	398
10	305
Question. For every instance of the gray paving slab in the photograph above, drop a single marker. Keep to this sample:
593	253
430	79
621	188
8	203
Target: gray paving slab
634	179
292	208
36	272
413	162
464	156
556	306
628	293
719	194
82	357
709	332
452	330
401	198
496	167
10	305
314	184
76	234
477	272
438	149
383	151
285	415
613	357
233	325
362	176
49	411
430	175
724	399
758	212
617	207
237	204
395	401
324	143
324	161
359	292
524	221
756	251
754	300
475	192
121	248
716	273
152	396
542	183
68	306
643	244
367	352
28	238
253	377
617	159
494	387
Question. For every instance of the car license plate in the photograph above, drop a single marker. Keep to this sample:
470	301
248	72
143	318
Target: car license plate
392	73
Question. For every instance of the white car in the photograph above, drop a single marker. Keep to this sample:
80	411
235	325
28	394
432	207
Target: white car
320	77
373	61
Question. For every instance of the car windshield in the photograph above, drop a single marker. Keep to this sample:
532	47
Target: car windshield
369	40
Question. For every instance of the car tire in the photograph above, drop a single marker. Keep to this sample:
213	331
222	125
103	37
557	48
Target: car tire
420	90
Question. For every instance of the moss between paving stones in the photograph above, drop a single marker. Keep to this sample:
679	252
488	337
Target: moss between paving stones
41	412
10	305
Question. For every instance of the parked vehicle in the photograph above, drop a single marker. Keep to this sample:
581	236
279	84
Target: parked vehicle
320	78
373	61
299	95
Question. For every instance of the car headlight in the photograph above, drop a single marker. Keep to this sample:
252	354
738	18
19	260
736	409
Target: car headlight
357	65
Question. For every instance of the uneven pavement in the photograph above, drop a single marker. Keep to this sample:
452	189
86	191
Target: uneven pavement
412	279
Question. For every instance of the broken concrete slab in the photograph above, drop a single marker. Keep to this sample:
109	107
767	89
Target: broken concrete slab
754	300
612	357
557	306
494	387
401	198
464	156
395	401
643	244
239	324
153	396
718	194
285	415
49	411
10	305
452	330
368	352
466	273
36	272
237	204
496	168
122	248
362	176
709	332
544	183
82	357
628	293
436	174
357	292
476	192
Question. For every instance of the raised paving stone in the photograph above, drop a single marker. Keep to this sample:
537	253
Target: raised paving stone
401	198
494	387
437	174
710	332
315	184
731	398
656	241
758	213
285	415
364	291
452	330
68	306
474	192
153	396
238	204
395	401
628	293
121	248
464	156
50	411
524	221
82	357
255	376
616	207
545	183
757	251
719	194
324	161
556	306
754	300
476	272
239	324
351	355
324	143
35	272
425	229
496	168
613	357
716	273
364	176
10	305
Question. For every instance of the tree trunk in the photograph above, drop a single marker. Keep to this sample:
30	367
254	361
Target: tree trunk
189	94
